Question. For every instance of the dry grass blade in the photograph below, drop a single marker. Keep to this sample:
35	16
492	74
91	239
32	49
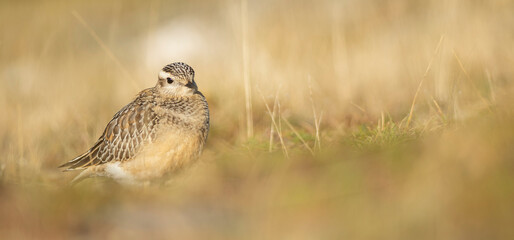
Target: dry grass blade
318	130
317	143
106	49
439	111
358	107
486	103
491	86
299	136
422	80
271	132
246	70
279	130
383	120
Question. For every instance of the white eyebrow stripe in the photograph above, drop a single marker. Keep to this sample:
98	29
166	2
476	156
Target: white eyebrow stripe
164	75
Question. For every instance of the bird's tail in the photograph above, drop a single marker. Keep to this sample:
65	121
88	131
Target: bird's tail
87	159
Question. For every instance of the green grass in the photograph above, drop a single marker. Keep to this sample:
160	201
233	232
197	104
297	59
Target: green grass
389	135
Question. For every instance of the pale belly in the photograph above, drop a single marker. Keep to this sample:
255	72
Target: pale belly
168	154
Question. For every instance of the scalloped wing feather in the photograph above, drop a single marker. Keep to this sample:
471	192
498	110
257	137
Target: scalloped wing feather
122	139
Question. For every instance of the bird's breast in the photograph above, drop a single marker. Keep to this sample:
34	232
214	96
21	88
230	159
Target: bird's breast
171	151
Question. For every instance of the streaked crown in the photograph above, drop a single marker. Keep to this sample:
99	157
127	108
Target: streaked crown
180	69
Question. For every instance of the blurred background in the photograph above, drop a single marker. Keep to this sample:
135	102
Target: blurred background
330	119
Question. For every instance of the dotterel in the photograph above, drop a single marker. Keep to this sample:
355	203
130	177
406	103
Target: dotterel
163	130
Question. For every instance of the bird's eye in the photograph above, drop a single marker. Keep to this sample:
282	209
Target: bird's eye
169	80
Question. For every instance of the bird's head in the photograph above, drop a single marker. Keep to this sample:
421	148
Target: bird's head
177	79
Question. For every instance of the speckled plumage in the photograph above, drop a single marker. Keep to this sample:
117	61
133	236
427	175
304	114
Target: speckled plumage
160	132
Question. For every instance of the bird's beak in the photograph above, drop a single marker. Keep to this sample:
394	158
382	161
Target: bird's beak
192	85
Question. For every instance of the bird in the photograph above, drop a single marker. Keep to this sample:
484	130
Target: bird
160	132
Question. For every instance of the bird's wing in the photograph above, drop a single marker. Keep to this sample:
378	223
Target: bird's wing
123	137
